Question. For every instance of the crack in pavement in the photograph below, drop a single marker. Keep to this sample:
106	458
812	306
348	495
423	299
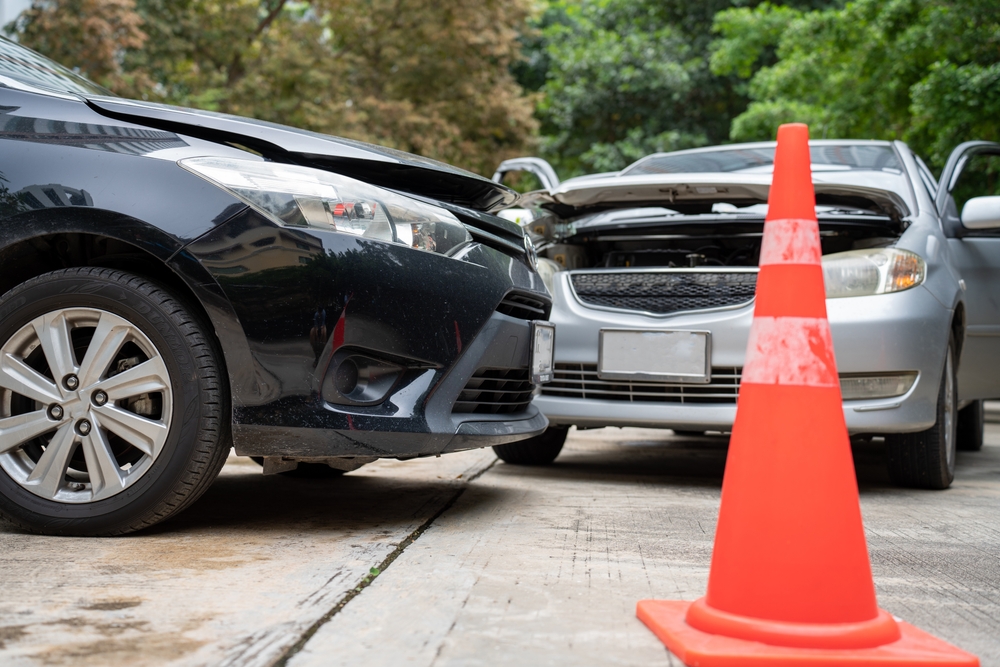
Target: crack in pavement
382	567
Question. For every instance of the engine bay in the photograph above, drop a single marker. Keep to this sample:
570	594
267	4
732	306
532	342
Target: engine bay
725	235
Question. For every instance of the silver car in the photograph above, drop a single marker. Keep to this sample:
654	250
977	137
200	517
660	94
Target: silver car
653	271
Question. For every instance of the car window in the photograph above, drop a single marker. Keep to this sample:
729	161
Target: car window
28	67
979	176
832	157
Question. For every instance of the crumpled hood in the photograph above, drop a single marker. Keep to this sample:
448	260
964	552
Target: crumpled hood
374	164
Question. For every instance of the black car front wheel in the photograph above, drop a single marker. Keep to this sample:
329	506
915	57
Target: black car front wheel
926	460
113	405
539	450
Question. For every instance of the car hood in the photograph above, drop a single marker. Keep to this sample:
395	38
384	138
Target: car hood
577	196
374	164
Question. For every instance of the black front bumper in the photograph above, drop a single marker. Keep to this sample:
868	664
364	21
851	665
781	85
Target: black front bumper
422	416
458	329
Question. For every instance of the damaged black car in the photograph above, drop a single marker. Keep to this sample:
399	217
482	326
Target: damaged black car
174	283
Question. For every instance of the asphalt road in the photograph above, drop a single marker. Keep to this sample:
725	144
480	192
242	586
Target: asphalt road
478	562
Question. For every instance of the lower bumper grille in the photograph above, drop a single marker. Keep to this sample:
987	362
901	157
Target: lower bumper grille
496	391
581	381
524	307
665	292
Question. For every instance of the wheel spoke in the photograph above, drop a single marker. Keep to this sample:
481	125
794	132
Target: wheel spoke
50	471
147	378
20	378
144	434
17	430
105	474
109	336
53	333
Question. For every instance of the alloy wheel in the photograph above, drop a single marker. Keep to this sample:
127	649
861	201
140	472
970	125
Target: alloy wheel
85	405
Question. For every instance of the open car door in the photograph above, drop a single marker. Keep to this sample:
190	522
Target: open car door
968	200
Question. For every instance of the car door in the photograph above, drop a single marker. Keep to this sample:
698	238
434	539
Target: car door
973	230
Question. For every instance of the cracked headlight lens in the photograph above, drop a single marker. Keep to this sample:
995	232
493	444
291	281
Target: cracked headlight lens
297	196
872	271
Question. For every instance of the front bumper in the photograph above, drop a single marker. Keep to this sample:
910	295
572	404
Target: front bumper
418	418
452	328
907	331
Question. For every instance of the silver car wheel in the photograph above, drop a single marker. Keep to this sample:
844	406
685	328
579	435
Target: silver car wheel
85	405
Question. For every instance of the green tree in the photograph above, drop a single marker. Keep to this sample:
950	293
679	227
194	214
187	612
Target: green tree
624	78
91	35
432	77
926	71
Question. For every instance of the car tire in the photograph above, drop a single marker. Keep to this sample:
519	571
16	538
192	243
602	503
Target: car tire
306	470
926	460
116	455
971	423
537	451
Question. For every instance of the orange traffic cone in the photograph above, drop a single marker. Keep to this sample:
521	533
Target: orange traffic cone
790	582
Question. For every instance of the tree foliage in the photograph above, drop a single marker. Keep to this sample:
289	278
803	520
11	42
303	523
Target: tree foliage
427	76
926	71
623	78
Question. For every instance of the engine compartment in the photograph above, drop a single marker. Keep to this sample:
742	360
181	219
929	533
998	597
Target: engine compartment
656	237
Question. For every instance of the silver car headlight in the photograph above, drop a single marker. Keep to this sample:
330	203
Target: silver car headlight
304	197
547	269
872	271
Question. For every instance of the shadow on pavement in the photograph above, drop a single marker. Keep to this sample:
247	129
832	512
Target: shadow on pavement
349	504
662	457
243	499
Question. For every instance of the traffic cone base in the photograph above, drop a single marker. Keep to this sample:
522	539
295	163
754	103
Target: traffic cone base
865	634
693	647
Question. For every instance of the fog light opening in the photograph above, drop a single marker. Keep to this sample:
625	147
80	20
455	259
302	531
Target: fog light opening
854	387
346	377
357	379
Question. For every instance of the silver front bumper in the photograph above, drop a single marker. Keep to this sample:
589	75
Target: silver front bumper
907	331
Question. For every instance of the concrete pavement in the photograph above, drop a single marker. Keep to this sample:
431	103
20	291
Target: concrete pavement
528	566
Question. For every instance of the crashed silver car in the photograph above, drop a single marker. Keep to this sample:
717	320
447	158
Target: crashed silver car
653	271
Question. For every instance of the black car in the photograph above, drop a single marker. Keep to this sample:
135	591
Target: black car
175	282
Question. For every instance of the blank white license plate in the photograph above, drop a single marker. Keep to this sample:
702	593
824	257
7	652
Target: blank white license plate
664	356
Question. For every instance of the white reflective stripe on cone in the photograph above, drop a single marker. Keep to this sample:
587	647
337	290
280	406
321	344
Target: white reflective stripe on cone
790	241
790	351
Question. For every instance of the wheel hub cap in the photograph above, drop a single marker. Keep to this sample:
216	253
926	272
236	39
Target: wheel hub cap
99	429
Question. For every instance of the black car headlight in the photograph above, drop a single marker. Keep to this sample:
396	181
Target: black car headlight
297	196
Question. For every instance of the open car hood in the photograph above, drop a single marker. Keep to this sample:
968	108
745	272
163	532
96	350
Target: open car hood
581	195
374	164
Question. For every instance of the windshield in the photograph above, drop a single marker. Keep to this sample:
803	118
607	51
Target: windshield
760	159
26	66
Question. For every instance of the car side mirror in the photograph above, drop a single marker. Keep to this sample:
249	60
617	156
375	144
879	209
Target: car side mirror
981	213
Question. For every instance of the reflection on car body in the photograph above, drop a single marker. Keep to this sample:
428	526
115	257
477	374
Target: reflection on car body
671	243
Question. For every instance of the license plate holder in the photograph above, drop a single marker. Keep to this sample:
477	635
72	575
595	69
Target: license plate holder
655	355
543	345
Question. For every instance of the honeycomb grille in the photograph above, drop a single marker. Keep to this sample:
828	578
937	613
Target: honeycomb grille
496	391
581	381
665	292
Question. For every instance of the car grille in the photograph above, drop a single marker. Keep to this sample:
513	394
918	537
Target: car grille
523	307
665	292
496	391
581	381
